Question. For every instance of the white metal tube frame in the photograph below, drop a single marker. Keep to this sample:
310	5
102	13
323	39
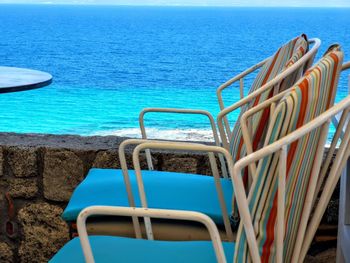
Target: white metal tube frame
273	101
126	178
231	81
245	124
235	171
326	163
144	212
182	146
322	122
222	121
180	111
225	132
309	228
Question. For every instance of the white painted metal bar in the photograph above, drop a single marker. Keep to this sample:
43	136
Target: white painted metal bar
347	191
218	186
222	121
317	122
127	182
343	239
125	172
235	171
181	146
143	212
308	205
332	179
306	128
241	88
343	253
142	193
237	183
180	111
229	83
281	203
331	150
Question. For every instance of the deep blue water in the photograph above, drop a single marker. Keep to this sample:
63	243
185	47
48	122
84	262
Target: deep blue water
109	62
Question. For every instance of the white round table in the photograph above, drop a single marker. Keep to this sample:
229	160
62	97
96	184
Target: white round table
20	79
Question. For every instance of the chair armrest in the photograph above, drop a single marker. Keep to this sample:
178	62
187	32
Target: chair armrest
178	111
228	83
124	167
246	133
305	61
225	131
239	77
145	212
187	147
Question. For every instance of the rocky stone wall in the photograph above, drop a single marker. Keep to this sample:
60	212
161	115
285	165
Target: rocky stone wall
37	176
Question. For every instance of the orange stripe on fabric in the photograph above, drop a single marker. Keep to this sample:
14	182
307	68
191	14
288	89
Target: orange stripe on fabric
335	58
270	226
304	99
262	125
270	231
271	67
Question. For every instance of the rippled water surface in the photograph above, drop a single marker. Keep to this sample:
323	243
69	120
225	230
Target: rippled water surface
109	63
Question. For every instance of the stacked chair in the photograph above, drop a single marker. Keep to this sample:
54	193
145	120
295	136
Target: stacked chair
280	213
211	195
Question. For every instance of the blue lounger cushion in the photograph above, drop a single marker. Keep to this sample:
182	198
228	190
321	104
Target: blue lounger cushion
120	249
166	190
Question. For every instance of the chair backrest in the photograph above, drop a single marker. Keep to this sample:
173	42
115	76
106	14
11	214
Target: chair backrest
311	96
285	57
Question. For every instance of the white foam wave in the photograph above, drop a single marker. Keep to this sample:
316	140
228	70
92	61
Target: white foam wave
164	134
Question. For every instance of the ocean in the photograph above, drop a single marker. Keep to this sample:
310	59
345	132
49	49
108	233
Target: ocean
110	62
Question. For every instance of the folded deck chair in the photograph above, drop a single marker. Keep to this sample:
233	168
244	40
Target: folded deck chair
285	57
276	224
171	190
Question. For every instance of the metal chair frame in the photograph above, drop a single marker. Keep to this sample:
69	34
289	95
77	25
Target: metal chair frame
222	120
308	225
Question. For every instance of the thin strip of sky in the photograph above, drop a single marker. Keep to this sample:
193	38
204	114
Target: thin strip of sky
267	3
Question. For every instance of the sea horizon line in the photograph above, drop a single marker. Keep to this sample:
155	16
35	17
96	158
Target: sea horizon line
171	5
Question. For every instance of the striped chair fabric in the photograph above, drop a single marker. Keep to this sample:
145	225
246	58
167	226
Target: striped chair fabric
285	57
311	96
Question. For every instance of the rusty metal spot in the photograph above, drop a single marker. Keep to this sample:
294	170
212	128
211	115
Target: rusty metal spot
11	228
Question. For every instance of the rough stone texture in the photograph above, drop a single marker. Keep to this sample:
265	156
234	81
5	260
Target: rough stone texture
1	162
142	157
106	159
143	161
327	256
180	164
23	188
110	159
6	253
63	170
204	165
44	232
60	141
23	161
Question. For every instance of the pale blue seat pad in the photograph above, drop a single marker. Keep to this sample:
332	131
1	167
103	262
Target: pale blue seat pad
168	190
119	249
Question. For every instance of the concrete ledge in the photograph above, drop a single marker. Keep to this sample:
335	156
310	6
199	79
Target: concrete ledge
60	141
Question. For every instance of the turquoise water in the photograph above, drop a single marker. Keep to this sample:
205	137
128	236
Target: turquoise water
109	62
